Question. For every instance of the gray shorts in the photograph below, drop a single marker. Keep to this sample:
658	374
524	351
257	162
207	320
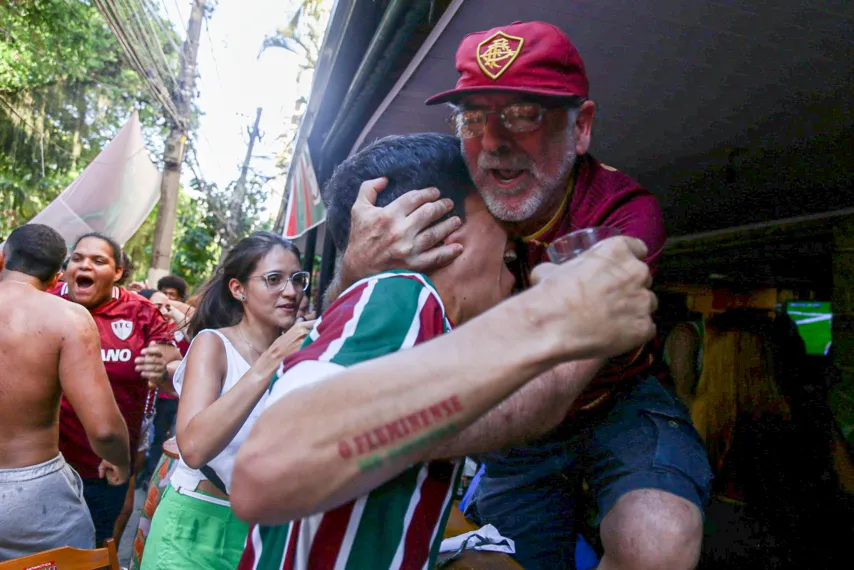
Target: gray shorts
42	507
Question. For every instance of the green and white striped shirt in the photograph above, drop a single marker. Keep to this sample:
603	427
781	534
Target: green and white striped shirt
398	525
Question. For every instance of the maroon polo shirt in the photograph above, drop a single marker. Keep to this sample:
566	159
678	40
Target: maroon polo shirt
600	195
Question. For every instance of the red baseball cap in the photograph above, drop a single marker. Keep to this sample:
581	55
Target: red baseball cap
524	57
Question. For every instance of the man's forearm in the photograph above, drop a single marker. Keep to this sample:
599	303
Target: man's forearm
533	410
385	415
112	444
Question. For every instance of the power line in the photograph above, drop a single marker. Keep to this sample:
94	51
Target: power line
154	14
110	13
180	15
150	40
213	55
149	44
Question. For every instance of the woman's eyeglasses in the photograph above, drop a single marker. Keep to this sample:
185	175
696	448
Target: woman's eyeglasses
277	281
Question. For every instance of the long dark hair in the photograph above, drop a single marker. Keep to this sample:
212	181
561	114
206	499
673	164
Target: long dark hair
217	308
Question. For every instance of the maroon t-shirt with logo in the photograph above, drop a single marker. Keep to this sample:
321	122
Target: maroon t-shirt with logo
126	324
601	195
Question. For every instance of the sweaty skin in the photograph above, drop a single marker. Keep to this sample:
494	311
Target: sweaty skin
49	346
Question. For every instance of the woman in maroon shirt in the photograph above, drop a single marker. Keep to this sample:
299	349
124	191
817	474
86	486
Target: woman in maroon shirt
136	345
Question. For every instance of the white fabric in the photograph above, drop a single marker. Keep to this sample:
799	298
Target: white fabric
114	193
201	497
185	477
485	538
302	374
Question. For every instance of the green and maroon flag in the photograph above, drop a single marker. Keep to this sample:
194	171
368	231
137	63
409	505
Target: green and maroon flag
305	207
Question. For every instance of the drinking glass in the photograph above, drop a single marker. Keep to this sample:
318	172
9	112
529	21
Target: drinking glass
574	244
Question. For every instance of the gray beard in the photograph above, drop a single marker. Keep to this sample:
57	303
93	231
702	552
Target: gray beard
548	186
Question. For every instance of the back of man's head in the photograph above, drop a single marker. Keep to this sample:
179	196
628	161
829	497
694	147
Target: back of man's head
410	162
36	250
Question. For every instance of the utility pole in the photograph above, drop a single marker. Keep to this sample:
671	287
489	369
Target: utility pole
173	155
235	206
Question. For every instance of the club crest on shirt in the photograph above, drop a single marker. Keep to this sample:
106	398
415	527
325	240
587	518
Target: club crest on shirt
179	336
122	329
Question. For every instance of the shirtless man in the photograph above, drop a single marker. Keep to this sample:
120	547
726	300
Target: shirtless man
48	347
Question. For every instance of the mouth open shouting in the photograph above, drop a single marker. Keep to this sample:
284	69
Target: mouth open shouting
508	179
84	284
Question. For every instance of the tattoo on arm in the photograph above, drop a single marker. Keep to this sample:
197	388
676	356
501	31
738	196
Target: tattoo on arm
404	427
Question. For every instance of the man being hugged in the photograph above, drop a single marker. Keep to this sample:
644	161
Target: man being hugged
351	455
523	111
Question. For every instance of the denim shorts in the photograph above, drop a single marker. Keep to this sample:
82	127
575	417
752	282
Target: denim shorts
643	440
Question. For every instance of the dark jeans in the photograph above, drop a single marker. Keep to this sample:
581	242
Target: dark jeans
105	503
644	440
164	421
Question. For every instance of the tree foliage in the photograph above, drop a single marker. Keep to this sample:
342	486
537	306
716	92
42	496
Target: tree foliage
64	93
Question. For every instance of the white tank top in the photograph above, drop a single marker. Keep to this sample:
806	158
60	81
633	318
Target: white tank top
187	478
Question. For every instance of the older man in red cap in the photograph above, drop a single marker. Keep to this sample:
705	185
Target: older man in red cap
522	111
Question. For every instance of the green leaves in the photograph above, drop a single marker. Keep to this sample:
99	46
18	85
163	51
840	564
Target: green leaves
64	93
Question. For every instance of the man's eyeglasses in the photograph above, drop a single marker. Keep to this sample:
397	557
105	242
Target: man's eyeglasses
516	118
277	281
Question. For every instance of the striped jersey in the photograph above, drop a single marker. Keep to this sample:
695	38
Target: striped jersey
398	525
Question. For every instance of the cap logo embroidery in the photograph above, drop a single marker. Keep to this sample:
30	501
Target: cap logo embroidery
497	53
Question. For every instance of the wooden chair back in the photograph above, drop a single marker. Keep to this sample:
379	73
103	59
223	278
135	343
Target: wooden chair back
67	558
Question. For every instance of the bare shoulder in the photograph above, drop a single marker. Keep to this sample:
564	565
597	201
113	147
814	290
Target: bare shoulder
207	345
73	316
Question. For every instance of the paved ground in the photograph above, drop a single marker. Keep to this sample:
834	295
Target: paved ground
126	545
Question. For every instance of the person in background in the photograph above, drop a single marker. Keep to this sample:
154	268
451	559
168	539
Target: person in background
36	483
522	110
683	354
179	319
774	475
302	313
173	287
166	404
244	326
136	345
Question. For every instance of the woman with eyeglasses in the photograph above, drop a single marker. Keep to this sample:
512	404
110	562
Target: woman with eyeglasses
244	326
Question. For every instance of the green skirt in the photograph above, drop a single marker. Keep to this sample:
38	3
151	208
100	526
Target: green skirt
192	534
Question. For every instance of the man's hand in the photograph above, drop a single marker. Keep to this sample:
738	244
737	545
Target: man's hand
400	235
288	343
601	298
151	364
115	475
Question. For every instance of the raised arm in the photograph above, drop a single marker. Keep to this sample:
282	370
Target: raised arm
86	386
207	422
366	424
402	235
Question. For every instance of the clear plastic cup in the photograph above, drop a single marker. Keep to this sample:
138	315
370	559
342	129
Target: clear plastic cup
574	244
